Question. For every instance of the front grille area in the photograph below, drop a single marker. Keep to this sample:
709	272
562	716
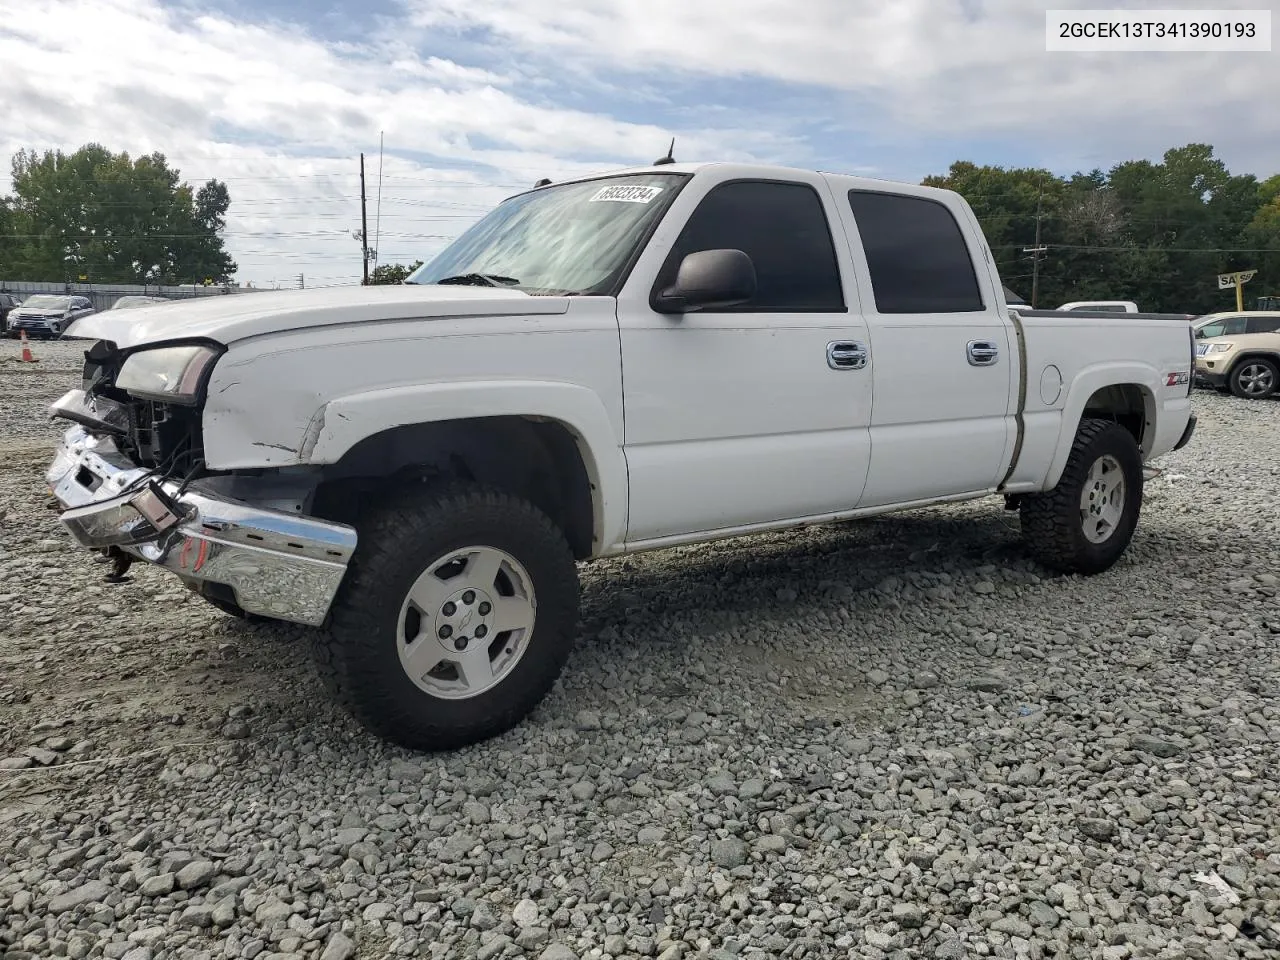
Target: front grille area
164	437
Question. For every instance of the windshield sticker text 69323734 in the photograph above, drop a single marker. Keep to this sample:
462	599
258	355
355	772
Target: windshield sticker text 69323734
626	194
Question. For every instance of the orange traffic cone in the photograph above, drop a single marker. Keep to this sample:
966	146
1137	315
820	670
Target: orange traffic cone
26	349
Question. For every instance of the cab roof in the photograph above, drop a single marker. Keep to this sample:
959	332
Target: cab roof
748	171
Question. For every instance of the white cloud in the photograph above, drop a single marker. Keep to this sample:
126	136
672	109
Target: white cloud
281	114
954	68
229	100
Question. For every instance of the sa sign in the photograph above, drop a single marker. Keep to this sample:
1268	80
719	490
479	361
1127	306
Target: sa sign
1228	280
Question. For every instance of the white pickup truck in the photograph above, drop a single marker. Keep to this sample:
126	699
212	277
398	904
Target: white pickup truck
655	357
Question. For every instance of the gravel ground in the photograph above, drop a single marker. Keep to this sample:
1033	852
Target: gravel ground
889	738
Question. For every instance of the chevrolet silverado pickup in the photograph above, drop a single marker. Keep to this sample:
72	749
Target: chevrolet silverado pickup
627	362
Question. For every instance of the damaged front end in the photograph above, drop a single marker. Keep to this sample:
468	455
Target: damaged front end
132	482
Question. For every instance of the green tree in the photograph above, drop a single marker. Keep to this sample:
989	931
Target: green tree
114	219
392	272
1263	233
1156	233
1006	202
9	230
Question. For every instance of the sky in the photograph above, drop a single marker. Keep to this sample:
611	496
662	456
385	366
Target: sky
458	104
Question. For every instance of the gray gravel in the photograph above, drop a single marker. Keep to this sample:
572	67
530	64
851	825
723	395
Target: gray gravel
890	738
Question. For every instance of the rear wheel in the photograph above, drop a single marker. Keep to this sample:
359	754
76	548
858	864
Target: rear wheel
1085	523
456	618
1255	378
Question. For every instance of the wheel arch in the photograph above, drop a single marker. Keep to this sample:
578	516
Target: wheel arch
1252	354
1125	393
552	443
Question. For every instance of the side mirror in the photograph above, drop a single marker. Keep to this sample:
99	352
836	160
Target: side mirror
709	279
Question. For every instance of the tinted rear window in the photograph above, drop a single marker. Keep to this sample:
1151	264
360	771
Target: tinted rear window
916	253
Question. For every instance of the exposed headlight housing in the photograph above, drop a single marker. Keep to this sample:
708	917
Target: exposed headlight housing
168	374
1220	347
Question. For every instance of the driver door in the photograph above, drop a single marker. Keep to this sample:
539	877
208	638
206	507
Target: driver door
746	416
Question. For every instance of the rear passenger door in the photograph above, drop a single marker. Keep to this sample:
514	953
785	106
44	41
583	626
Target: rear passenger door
945	362
753	414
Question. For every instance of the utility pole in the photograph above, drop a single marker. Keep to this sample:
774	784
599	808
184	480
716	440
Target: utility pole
1037	252
364	227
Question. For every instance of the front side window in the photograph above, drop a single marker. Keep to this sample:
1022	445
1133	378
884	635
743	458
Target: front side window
1226	327
916	253
575	238
783	229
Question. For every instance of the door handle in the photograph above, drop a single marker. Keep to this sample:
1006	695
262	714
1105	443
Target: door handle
983	353
846	355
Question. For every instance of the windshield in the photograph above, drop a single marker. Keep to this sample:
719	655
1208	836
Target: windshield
576	238
44	301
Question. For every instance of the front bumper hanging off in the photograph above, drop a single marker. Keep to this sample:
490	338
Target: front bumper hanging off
277	565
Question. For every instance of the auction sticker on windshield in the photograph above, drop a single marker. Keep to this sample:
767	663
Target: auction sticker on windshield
626	194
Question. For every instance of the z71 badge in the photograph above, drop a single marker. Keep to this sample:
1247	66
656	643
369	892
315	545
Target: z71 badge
1176	379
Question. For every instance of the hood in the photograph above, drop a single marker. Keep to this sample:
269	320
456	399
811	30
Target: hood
226	318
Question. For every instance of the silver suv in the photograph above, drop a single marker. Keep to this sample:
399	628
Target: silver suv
48	315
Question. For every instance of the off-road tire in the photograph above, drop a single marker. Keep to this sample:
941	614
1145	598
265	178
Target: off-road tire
358	648
1051	522
1237	387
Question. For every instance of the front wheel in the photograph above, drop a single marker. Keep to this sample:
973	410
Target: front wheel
1085	523
1255	378
456	618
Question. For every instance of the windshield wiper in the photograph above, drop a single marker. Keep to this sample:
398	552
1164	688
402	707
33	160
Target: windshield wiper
481	280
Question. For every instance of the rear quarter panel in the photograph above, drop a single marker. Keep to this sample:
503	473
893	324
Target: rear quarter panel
1069	359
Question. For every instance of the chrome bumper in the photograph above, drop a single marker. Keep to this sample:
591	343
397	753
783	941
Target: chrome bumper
278	565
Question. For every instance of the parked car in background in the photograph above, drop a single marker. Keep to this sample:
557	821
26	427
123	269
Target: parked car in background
1235	323
126	303
1105	306
8	301
47	315
1092	309
1239	352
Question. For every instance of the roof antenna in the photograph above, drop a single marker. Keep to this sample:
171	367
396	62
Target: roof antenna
669	158
542	183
